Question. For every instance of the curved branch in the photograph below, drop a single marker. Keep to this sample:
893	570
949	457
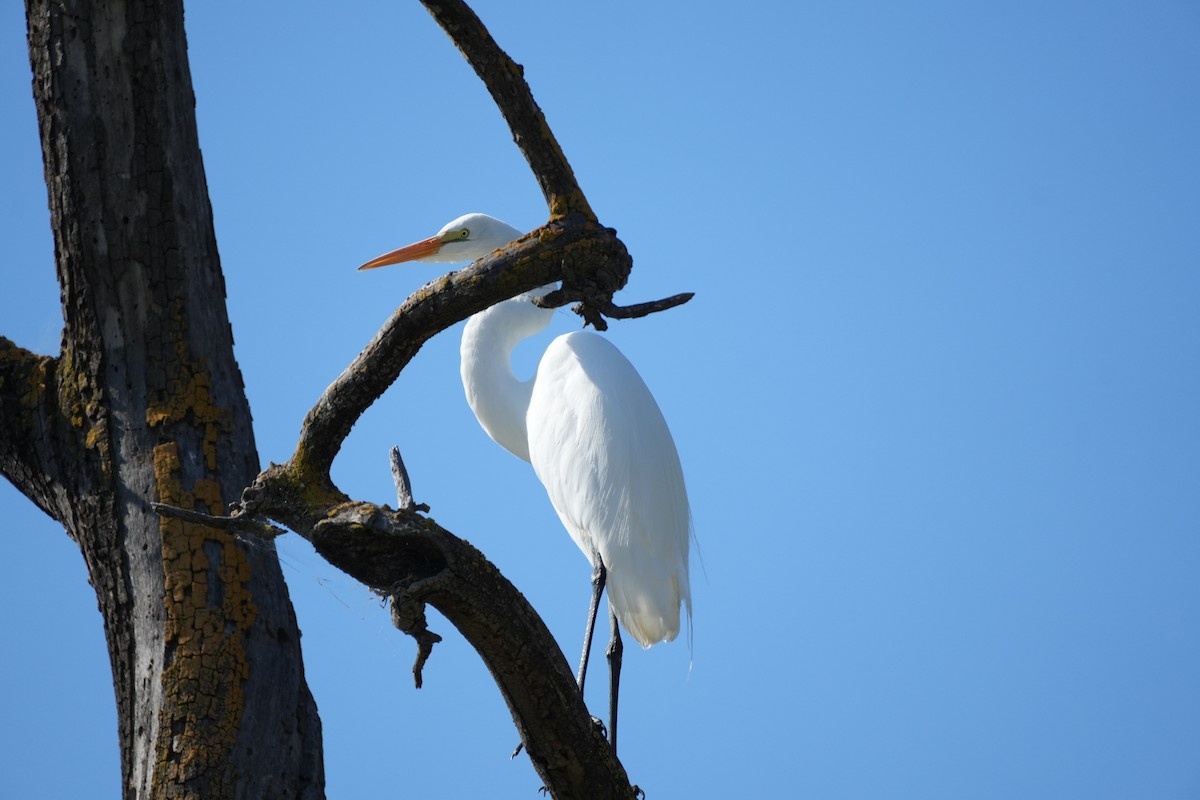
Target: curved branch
413	560
505	80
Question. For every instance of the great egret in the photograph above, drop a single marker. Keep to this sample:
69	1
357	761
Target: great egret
596	439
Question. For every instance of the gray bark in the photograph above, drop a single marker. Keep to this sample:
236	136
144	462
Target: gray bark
145	403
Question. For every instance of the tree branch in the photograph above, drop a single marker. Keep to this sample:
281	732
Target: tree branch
231	524
644	309
413	560
505	80
593	314
35	439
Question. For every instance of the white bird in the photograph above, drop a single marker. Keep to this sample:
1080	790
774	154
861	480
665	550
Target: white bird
596	439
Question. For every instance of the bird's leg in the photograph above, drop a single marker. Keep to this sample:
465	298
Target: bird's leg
598	576
615	648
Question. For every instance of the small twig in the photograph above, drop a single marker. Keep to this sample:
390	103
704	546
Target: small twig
408	616
592	311
614	311
234	525
404	495
425	642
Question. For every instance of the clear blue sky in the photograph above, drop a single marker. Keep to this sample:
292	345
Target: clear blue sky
938	395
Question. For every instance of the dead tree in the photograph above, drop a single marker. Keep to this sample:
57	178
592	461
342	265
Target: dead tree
137	437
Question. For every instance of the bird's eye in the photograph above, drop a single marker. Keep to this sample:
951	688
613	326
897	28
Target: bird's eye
464	233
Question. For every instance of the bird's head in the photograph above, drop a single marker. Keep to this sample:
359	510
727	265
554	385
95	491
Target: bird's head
467	238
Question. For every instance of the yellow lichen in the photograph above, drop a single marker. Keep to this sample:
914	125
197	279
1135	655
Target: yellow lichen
190	398
79	399
203	681
204	631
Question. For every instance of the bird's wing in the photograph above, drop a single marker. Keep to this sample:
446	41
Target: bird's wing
602	449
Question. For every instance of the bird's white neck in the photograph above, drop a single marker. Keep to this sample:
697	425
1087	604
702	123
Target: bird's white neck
499	400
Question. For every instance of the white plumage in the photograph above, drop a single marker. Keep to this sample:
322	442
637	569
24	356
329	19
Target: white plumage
599	444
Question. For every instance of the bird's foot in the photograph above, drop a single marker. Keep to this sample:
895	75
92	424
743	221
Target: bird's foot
637	792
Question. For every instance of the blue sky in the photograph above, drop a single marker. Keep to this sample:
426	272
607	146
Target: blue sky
936	397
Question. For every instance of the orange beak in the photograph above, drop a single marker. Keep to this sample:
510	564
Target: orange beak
425	247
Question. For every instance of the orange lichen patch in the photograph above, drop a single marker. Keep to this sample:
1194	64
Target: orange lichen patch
547	234
193	396
572	201
208	492
209	612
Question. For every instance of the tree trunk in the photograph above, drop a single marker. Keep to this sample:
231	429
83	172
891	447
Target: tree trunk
145	403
